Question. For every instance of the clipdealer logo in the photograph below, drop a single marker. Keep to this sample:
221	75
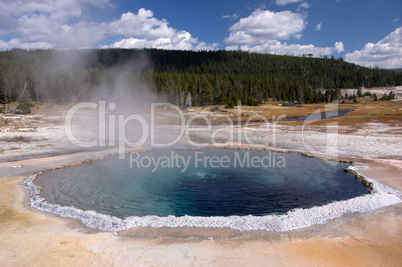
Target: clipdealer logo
111	131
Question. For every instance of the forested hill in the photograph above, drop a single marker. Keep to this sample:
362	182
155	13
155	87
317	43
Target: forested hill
202	78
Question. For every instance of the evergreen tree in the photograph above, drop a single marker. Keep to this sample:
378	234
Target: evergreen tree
359	92
213	77
188	100
25	104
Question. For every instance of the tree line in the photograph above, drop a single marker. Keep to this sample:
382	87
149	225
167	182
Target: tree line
182	77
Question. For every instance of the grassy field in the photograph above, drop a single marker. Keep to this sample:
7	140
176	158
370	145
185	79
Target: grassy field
366	111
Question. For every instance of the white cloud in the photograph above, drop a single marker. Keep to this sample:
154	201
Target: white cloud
264	25
276	47
181	41
142	24
232	47
47	23
386	53
164	43
17	43
263	29
285	2
233	16
396	20
145	31
339	47
318	27
59	8
304	5
53	24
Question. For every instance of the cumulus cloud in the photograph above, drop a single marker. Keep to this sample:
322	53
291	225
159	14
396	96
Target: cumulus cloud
304	5
318	27
50	24
276	47
263	31
339	47
181	41
142	24
57	9
17	43
145	31
386	53
144	43
285	2
47	23
265	25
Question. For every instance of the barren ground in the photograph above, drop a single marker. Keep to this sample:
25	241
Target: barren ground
371	133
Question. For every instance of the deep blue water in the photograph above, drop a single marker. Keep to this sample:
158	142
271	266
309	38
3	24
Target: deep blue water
312	117
320	116
111	187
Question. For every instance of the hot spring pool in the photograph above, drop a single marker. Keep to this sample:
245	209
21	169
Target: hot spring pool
198	187
243	190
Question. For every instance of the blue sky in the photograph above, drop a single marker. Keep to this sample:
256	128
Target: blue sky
364	32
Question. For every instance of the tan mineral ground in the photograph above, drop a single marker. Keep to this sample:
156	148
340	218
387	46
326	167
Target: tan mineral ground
32	237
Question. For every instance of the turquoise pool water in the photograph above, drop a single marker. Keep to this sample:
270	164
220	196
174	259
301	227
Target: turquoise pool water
209	182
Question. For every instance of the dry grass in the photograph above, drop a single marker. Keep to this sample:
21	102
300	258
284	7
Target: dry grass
50	110
366	111
387	112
